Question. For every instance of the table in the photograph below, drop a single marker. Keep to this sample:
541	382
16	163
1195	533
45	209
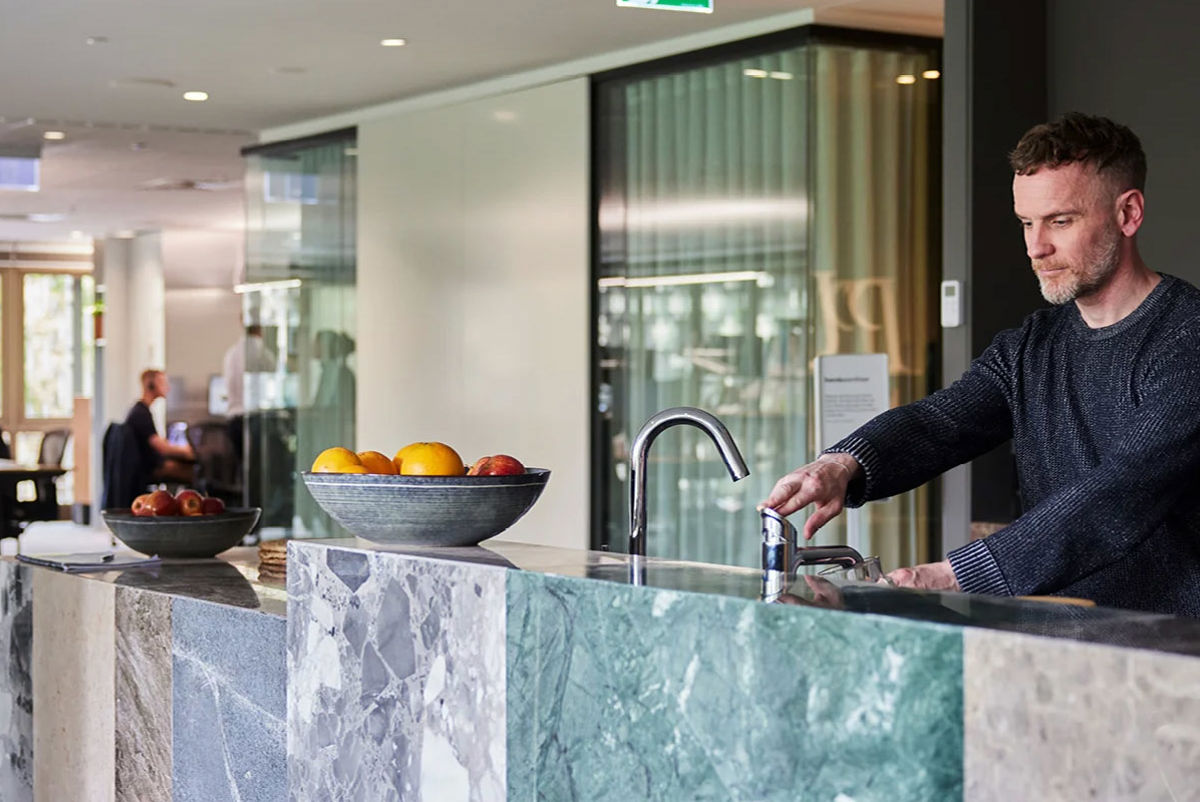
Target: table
11	473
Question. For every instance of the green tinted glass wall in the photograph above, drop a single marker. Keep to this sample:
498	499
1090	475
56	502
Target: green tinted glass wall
757	206
300	286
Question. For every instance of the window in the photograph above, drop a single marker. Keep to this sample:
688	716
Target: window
47	345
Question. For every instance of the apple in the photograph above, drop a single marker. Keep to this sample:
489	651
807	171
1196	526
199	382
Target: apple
496	465
212	506
140	505
190	502
162	503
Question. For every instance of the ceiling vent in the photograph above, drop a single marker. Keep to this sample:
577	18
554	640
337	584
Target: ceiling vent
185	184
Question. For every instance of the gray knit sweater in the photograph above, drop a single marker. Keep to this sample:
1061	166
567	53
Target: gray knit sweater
1105	425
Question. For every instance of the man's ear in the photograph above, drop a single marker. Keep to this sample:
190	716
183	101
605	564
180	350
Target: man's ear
1131	210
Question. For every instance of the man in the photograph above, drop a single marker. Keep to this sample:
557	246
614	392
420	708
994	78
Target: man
249	353
162	461
1100	395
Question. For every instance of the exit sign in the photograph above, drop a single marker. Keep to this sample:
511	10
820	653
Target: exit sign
702	6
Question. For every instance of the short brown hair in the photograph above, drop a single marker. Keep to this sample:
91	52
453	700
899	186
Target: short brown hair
1110	147
148	377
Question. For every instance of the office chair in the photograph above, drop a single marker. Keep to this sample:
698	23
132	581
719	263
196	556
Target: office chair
44	506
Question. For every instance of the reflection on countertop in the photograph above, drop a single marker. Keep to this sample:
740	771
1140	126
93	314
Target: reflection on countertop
1103	625
230	579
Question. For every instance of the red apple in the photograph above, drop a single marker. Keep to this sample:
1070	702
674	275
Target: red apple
212	506
140	505
190	502
497	465
162	503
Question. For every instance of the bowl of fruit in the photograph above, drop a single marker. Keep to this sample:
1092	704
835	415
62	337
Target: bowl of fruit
186	524
425	495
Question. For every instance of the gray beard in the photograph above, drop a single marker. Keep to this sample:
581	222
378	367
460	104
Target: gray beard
1103	265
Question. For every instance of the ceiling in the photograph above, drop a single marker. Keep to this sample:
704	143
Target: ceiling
110	74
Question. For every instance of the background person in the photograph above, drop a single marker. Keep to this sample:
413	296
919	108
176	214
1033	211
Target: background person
162	461
248	354
1100	396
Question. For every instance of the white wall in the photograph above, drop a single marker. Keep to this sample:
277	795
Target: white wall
472	289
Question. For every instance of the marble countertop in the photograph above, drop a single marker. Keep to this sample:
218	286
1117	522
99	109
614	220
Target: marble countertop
1090	624
230	579
233	579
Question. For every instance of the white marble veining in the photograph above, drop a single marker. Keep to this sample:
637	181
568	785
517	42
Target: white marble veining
396	673
143	701
228	704
16	691
1060	721
73	688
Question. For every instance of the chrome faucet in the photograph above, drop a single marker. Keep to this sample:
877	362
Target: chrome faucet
781	554
641	449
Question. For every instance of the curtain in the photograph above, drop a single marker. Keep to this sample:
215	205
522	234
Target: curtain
736	199
874	255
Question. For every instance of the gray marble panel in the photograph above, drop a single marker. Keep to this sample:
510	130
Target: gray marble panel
16	683
627	693
143	703
1059	721
396	671
229	702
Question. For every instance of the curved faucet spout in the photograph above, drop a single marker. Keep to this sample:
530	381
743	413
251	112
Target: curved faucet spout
640	452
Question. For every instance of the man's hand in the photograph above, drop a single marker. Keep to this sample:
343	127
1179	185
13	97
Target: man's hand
822	482
930	576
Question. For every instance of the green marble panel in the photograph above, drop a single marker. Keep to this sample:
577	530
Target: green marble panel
625	693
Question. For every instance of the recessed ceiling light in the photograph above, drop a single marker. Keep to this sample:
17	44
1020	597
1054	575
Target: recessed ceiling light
504	115
906	79
45	217
198	97
76	235
393	42
781	76
124	234
931	74
753	73
54	135
96	40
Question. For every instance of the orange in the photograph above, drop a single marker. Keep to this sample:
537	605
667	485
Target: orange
429	459
337	460
375	462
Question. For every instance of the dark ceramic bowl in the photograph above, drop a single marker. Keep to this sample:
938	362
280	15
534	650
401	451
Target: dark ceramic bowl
182	535
426	510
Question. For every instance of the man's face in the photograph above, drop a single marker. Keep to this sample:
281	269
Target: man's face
1071	232
161	386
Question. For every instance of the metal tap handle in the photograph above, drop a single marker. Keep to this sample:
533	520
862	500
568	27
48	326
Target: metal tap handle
778	541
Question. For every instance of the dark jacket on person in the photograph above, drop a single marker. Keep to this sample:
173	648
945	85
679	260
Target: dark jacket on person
1105	425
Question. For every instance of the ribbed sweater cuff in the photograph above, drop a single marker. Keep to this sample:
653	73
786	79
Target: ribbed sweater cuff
868	458
976	570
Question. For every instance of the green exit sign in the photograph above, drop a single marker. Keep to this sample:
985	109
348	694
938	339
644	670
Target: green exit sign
702	6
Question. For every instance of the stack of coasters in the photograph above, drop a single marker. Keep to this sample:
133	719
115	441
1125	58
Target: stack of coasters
272	559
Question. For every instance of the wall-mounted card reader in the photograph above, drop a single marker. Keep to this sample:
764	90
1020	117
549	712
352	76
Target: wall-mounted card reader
951	304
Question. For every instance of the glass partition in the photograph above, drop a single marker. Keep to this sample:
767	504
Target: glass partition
758	205
299	287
